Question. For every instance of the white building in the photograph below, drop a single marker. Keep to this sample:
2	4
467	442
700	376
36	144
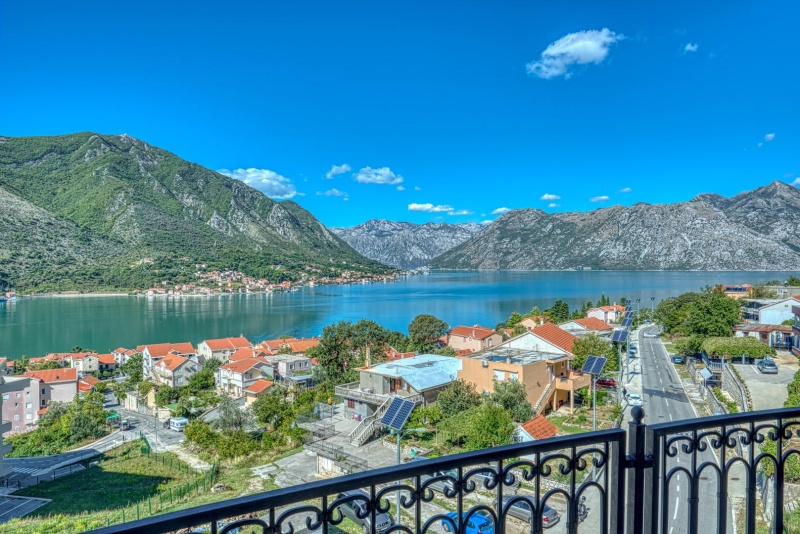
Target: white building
767	311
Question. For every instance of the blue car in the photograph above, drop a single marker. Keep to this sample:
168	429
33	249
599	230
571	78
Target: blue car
676	358
479	523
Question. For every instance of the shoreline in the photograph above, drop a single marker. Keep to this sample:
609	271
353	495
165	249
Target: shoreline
66	294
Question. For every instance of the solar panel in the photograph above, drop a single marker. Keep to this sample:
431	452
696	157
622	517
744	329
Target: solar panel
619	336
594	365
397	413
627	322
402	414
391	411
628	308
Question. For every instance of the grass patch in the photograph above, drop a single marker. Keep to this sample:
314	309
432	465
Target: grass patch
559	421
97	497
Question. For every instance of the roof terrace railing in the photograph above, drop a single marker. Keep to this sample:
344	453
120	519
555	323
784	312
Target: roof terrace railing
700	475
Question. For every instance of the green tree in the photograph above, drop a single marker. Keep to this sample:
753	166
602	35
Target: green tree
144	388
690	345
166	395
119	390
133	369
559	312
458	397
514	320
335	355
793	281
232	417
713	315
424	331
201	434
445	351
594	345
273	411
511	395
487	425
761	291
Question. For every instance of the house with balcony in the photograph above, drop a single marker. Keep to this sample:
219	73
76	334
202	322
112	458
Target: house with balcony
85	363
155	353
221	349
541	362
106	363
9	386
173	370
122	355
588	325
472	338
292	369
766	311
607	314
235	377
418	379
774	335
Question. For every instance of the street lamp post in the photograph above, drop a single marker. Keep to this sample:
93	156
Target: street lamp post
652	306
637	309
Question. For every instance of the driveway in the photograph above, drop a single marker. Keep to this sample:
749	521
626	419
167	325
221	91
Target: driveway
768	391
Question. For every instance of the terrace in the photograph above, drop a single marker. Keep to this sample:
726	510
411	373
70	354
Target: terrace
702	475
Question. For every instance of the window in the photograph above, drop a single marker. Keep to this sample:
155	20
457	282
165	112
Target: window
19	395
499	375
5	397
16	417
28	416
43	401
513	376
42	391
29	405
351	403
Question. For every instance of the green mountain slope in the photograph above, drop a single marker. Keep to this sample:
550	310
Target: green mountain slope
116	200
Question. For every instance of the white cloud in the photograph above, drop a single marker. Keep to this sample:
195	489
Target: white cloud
417	188
625	190
759	145
430	208
796	182
691	47
346	199
486	222
548	196
553	205
401	188
579	48
500	211
459	212
332	193
601	198
769	137
268	182
338	169
384	175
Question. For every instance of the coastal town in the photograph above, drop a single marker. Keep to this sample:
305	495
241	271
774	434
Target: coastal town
167	391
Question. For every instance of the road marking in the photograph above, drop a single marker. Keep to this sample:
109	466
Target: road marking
754	369
660	381
670	417
677	503
666	402
677	488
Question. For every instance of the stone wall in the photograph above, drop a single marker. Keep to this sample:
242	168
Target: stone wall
735	388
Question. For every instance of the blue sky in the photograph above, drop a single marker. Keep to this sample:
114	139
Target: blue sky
425	111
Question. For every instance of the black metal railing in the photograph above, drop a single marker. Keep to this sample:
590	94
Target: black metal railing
699	475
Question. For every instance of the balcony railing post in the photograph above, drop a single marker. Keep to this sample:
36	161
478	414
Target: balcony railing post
640	475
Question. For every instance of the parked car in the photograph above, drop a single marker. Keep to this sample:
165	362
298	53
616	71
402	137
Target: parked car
352	510
609	383
634	399
767	367
677	358
478	523
522	510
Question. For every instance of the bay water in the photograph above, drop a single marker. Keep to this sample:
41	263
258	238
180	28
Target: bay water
39	325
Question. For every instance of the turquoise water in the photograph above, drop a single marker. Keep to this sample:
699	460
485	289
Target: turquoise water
37	326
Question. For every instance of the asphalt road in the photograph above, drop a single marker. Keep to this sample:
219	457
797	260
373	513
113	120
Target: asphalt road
664	400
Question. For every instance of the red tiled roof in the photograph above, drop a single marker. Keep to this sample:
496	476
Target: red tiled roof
593	323
475	332
275	344
54	375
241	366
172	362
299	347
392	355
243	354
228	343
81	356
159	350
259	386
106	359
41	411
87	383
540	428
555	335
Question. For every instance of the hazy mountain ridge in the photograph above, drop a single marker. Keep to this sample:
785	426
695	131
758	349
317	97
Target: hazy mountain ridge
755	230
403	244
128	199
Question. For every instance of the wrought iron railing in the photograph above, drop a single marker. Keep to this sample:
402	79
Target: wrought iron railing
683	476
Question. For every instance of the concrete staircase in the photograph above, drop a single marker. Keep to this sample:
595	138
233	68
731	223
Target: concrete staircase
538	408
366	429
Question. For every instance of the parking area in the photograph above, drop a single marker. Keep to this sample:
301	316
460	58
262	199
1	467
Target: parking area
769	390
12	506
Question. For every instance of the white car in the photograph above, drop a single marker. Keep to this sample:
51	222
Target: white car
650	334
634	399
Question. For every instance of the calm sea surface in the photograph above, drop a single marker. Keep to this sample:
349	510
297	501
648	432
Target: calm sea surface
36	326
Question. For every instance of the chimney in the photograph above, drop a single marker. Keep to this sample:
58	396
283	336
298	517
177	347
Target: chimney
473	333
367	362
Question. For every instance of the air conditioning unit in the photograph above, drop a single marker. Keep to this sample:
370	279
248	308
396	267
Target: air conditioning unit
485	363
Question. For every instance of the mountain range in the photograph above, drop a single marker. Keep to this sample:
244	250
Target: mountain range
405	245
754	230
81	212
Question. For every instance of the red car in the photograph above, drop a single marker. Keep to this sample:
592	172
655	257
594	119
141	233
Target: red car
607	383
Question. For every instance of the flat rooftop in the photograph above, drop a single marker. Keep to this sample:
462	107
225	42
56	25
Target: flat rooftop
516	355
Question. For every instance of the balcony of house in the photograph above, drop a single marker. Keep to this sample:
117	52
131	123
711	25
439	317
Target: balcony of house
716	474
573	382
354	391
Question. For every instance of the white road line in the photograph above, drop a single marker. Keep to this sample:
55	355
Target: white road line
677	488
677	503
25	503
666	402
660	381
753	368
670	417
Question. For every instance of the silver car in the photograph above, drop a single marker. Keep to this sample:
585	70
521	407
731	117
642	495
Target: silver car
522	510
634	399
352	509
